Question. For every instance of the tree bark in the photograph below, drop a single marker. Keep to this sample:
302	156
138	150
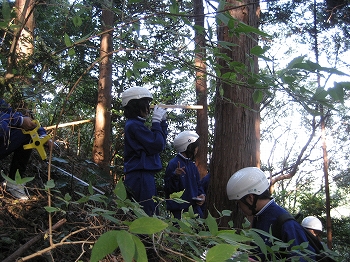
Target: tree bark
201	90
101	148
237	117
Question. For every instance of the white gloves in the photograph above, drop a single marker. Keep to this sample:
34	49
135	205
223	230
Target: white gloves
159	114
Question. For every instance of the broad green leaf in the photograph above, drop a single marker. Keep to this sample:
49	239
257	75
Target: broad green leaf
51	209
120	190
258	96
140	253
232	237
71	52
259	241
320	94
147	225
67	40
244	28
220	252
67	197
212	225
174	8
104	245
77	21
126	245
177	194
50	184
257	50
141	64
296	60
337	92
6	11
90	189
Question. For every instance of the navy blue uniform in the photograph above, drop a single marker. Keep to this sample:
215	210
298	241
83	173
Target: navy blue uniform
291	229
141	159
189	181
12	138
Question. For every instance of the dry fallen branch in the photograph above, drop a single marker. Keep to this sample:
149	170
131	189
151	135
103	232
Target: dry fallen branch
27	245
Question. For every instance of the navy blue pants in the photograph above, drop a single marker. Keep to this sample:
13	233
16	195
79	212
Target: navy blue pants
143	188
14	144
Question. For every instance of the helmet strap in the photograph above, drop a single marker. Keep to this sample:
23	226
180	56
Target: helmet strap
252	207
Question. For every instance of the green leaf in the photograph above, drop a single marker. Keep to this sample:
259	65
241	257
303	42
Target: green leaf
177	194
231	237
258	96
244	28
140	65
126	245
71	52
140	252
90	189
77	21
6	11
259	241
320	94
257	50
104	245
147	225
51	209
67	40
50	184
337	92
220	252
120	190
212	225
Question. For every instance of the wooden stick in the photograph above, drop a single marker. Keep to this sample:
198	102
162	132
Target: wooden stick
14	256
196	107
69	124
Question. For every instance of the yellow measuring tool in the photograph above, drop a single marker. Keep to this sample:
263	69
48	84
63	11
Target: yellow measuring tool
37	141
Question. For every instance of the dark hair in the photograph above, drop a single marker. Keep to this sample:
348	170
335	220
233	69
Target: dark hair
265	195
191	148
135	106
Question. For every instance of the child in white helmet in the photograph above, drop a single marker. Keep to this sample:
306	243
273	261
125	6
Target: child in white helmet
314	225
142	145
182	174
250	188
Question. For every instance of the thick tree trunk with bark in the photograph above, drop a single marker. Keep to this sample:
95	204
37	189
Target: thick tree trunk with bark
237	118
201	90
101	148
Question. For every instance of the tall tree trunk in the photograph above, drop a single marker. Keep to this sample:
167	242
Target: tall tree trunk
201	89
22	45
237	118
101	148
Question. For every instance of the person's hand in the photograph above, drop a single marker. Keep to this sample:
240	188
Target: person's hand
180	170
28	123
158	114
199	203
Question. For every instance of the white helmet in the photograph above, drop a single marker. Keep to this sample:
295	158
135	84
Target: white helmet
249	180
136	92
183	139
312	222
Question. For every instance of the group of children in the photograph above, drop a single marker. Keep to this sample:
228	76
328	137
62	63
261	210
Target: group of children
249	186
142	146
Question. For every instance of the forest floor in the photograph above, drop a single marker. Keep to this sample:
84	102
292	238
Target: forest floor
25	225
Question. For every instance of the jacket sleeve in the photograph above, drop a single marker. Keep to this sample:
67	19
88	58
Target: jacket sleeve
172	181
152	141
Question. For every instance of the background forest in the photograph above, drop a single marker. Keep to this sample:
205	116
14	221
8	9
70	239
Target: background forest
273	80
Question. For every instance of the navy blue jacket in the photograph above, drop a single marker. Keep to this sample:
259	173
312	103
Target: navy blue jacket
10	118
175	183
143	145
291	229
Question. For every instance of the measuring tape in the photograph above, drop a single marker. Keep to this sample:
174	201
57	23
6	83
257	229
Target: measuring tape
37	141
